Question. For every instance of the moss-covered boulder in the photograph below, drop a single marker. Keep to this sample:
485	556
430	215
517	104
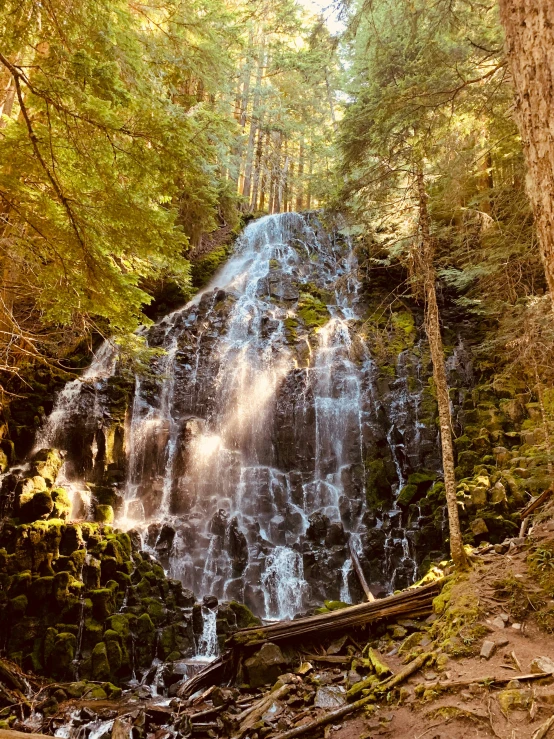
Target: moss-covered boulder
104	514
62	654
62	503
47	463
100	663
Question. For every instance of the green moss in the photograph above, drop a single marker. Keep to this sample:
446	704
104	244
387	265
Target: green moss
407	495
62	504
378	484
422	478
202	270
312	311
112	691
103	514
245	617
100	663
291	326
62	654
335	605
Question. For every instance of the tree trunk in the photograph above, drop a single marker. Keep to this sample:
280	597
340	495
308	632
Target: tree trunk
254	122
426	272
529	26
300	188
257	168
264	168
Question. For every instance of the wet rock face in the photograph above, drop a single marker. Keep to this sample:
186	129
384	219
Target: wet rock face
266	437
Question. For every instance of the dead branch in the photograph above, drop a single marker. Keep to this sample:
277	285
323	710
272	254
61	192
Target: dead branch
332	716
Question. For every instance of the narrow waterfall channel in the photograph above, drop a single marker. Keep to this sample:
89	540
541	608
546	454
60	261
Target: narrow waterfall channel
243	458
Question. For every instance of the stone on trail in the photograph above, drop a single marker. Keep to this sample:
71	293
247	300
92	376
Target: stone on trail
330	696
542	664
488	649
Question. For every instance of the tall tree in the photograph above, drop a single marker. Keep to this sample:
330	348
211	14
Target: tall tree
529	26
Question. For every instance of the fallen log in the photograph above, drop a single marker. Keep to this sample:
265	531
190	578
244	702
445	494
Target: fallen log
360	573
13	734
216	673
339	713
535	503
487	680
329	658
257	711
415	602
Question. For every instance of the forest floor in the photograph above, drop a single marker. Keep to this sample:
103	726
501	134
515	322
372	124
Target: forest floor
500	583
504	604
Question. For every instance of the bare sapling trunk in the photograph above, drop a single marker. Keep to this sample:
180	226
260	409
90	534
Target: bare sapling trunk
425	272
529	26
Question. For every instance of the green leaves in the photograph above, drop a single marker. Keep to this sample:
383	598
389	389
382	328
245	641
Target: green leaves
106	168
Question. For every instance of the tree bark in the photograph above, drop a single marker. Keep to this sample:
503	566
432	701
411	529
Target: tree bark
426	273
529	26
254	122
300	188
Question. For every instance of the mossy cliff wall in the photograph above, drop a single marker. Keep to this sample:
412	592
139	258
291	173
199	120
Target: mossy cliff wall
82	601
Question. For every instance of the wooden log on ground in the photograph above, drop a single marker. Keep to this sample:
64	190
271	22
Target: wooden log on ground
535	503
329	658
415	602
361	577
331	716
257	711
12	734
487	680
216	673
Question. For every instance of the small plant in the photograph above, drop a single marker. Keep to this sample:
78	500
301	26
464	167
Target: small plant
543	559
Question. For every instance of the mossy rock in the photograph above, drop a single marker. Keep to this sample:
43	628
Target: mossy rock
35	506
103	603
335	605
515	699
312	311
100	663
378	485
96	693
112	691
62	503
407	495
18	606
92	632
114	655
203	269
104	514
466	462
422	478
47	463
155	610
62	655
76	690
244	616
119	624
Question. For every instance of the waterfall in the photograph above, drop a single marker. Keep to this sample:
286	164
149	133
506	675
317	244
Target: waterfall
247	444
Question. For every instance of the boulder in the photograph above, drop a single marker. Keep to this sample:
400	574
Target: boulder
542	664
104	514
265	666
479	527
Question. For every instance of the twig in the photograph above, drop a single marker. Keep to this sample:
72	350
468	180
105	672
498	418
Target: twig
331	716
543	730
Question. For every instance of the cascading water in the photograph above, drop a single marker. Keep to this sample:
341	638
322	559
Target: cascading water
205	452
246	448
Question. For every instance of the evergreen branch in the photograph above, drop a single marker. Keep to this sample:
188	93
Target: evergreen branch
34	142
